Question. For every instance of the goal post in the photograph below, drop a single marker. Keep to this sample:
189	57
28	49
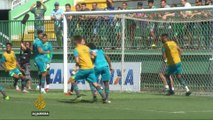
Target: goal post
126	39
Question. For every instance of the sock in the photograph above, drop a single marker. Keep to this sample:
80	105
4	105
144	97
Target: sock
93	90
72	88
187	89
48	79
17	87
23	83
173	88
15	82
169	83
75	88
42	89
43	79
166	86
107	90
100	91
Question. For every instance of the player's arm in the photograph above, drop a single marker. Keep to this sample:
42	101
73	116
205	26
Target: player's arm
51	52
32	8
19	67
52	15
179	50
23	46
43	52
164	55
75	52
108	61
45	8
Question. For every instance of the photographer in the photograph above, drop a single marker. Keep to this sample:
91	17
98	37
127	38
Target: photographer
24	61
38	12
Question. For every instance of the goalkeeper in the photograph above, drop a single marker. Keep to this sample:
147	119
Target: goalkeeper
102	66
172	52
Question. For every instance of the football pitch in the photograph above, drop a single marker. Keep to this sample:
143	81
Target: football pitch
123	106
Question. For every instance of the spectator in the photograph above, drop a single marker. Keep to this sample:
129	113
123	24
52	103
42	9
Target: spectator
152	25
57	16
96	21
131	27
164	4
166	14
124	6
69	21
189	26
142	25
25	61
208	2
187	5
139	15
78	7
84	7
85	22
109	24
117	20
39	16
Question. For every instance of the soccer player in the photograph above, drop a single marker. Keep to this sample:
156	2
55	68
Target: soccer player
40	60
86	68
47	46
10	64
172	52
102	66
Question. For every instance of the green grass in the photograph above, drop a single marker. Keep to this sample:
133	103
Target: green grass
123	106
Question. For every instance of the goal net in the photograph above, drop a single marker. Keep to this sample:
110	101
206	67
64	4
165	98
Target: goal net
131	38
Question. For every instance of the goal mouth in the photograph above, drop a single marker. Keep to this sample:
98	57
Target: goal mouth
133	36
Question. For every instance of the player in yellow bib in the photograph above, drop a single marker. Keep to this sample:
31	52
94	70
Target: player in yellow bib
9	63
172	53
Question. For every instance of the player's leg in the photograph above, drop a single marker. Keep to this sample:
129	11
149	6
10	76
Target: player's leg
168	73
15	84
2	91
73	80
16	74
105	78
181	80
92	79
94	91
28	76
42	69
47	81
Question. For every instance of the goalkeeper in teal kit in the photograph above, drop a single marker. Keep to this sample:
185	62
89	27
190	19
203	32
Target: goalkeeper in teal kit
102	67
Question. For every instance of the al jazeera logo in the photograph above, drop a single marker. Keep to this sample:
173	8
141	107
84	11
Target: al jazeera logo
40	104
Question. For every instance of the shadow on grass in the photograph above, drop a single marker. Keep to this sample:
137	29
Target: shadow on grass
72	101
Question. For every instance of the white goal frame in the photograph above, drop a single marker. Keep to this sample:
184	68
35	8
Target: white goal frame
65	45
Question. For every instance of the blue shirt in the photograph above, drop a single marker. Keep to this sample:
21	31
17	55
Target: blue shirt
100	60
47	47
37	43
111	17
